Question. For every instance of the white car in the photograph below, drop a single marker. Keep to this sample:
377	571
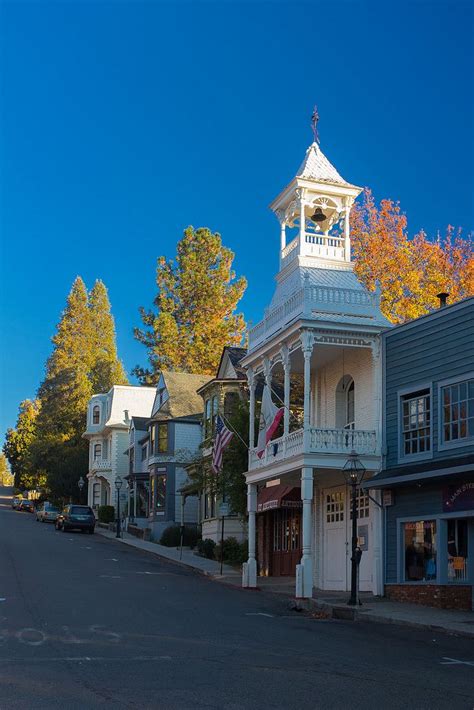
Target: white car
47	513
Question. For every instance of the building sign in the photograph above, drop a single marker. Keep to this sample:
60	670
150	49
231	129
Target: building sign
456	498
387	498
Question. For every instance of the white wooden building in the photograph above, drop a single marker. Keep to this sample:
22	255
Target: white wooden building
108	421
320	336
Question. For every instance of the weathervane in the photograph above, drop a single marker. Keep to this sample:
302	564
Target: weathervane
314	124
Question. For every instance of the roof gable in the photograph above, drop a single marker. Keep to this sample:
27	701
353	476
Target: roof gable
179	397
229	366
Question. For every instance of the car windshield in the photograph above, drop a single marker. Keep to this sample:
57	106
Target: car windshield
81	510
51	509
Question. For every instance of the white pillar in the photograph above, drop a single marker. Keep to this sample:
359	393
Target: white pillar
251	383
302	223
347	231
285	358
304	584
307	348
282	235
249	568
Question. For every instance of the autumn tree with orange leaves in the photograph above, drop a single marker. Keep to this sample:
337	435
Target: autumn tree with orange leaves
410	272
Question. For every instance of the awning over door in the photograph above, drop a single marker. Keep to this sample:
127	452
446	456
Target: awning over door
280	496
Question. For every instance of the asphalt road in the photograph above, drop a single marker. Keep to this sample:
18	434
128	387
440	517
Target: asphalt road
86	622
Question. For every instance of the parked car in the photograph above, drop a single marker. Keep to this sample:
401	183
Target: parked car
16	502
76	517
47	513
26	506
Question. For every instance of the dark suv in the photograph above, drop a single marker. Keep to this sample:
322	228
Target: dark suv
76	517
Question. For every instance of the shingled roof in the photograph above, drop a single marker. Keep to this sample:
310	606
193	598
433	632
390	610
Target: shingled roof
235	356
183	400
316	166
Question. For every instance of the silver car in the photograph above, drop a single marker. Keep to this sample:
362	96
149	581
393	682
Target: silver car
47	513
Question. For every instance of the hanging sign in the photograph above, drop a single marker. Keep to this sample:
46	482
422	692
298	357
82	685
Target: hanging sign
387	498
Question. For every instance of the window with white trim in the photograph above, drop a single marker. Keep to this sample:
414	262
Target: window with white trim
335	507
96	414
97	451
416	423
457	401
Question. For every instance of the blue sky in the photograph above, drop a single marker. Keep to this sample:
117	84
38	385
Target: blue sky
123	122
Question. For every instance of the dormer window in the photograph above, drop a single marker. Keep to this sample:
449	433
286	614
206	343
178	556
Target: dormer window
96	414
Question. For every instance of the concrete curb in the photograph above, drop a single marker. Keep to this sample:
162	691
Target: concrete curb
180	563
338	611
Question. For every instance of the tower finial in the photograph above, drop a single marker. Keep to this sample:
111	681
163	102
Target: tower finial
314	124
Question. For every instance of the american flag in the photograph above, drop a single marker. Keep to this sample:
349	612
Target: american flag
222	440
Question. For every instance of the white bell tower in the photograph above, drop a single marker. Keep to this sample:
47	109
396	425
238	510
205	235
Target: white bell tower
313	211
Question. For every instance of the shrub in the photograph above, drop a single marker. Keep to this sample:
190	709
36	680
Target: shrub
234	552
106	513
206	548
171	537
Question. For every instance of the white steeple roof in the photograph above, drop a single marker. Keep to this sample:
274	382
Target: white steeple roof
316	166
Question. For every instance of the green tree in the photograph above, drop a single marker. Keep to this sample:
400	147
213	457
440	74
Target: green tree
107	369
84	358
6	477
194	310
18	442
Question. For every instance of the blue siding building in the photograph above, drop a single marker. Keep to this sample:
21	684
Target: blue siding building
427	479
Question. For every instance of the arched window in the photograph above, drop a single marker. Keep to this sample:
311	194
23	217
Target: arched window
345	403
96	414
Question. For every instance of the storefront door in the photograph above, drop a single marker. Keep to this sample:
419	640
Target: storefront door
337	517
286	544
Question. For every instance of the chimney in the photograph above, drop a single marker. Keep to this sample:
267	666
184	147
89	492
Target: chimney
126	417
443	297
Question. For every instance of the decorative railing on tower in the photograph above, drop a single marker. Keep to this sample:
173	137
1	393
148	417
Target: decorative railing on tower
313	299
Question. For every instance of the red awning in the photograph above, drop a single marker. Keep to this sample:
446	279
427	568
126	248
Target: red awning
280	496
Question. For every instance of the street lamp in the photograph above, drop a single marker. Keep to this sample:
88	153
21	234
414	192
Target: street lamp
81	483
118	486
354	471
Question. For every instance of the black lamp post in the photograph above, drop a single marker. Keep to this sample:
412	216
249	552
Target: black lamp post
354	471
81	483
118	486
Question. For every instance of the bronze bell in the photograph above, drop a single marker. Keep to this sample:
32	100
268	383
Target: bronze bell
318	215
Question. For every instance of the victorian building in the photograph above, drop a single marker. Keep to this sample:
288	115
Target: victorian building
172	442
318	345
222	396
108	420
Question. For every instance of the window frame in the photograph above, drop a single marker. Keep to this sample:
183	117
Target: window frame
144	452
162	426
96	410
94	455
401	395
448	445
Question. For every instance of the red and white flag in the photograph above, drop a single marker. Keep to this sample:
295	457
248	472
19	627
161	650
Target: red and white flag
270	417
222	440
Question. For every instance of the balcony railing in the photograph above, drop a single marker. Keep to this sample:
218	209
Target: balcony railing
323	299
321	441
101	465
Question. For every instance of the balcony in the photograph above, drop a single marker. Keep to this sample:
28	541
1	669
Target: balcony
101	465
321	441
350	302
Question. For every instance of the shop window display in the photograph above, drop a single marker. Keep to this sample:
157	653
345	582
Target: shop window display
420	550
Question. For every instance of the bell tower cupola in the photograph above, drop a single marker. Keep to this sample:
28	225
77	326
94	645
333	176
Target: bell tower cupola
313	211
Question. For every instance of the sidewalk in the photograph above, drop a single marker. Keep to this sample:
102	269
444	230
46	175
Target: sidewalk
375	609
189	559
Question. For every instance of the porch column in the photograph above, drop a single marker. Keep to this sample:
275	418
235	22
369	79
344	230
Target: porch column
251	384
304	571
249	568
135	498
285	358
307	348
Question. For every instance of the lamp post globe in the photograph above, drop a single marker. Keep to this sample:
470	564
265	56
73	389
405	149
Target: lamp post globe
80	484
118	486
354	471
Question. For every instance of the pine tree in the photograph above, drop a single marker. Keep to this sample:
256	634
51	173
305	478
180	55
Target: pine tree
5	475
194	316
107	369
18	443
